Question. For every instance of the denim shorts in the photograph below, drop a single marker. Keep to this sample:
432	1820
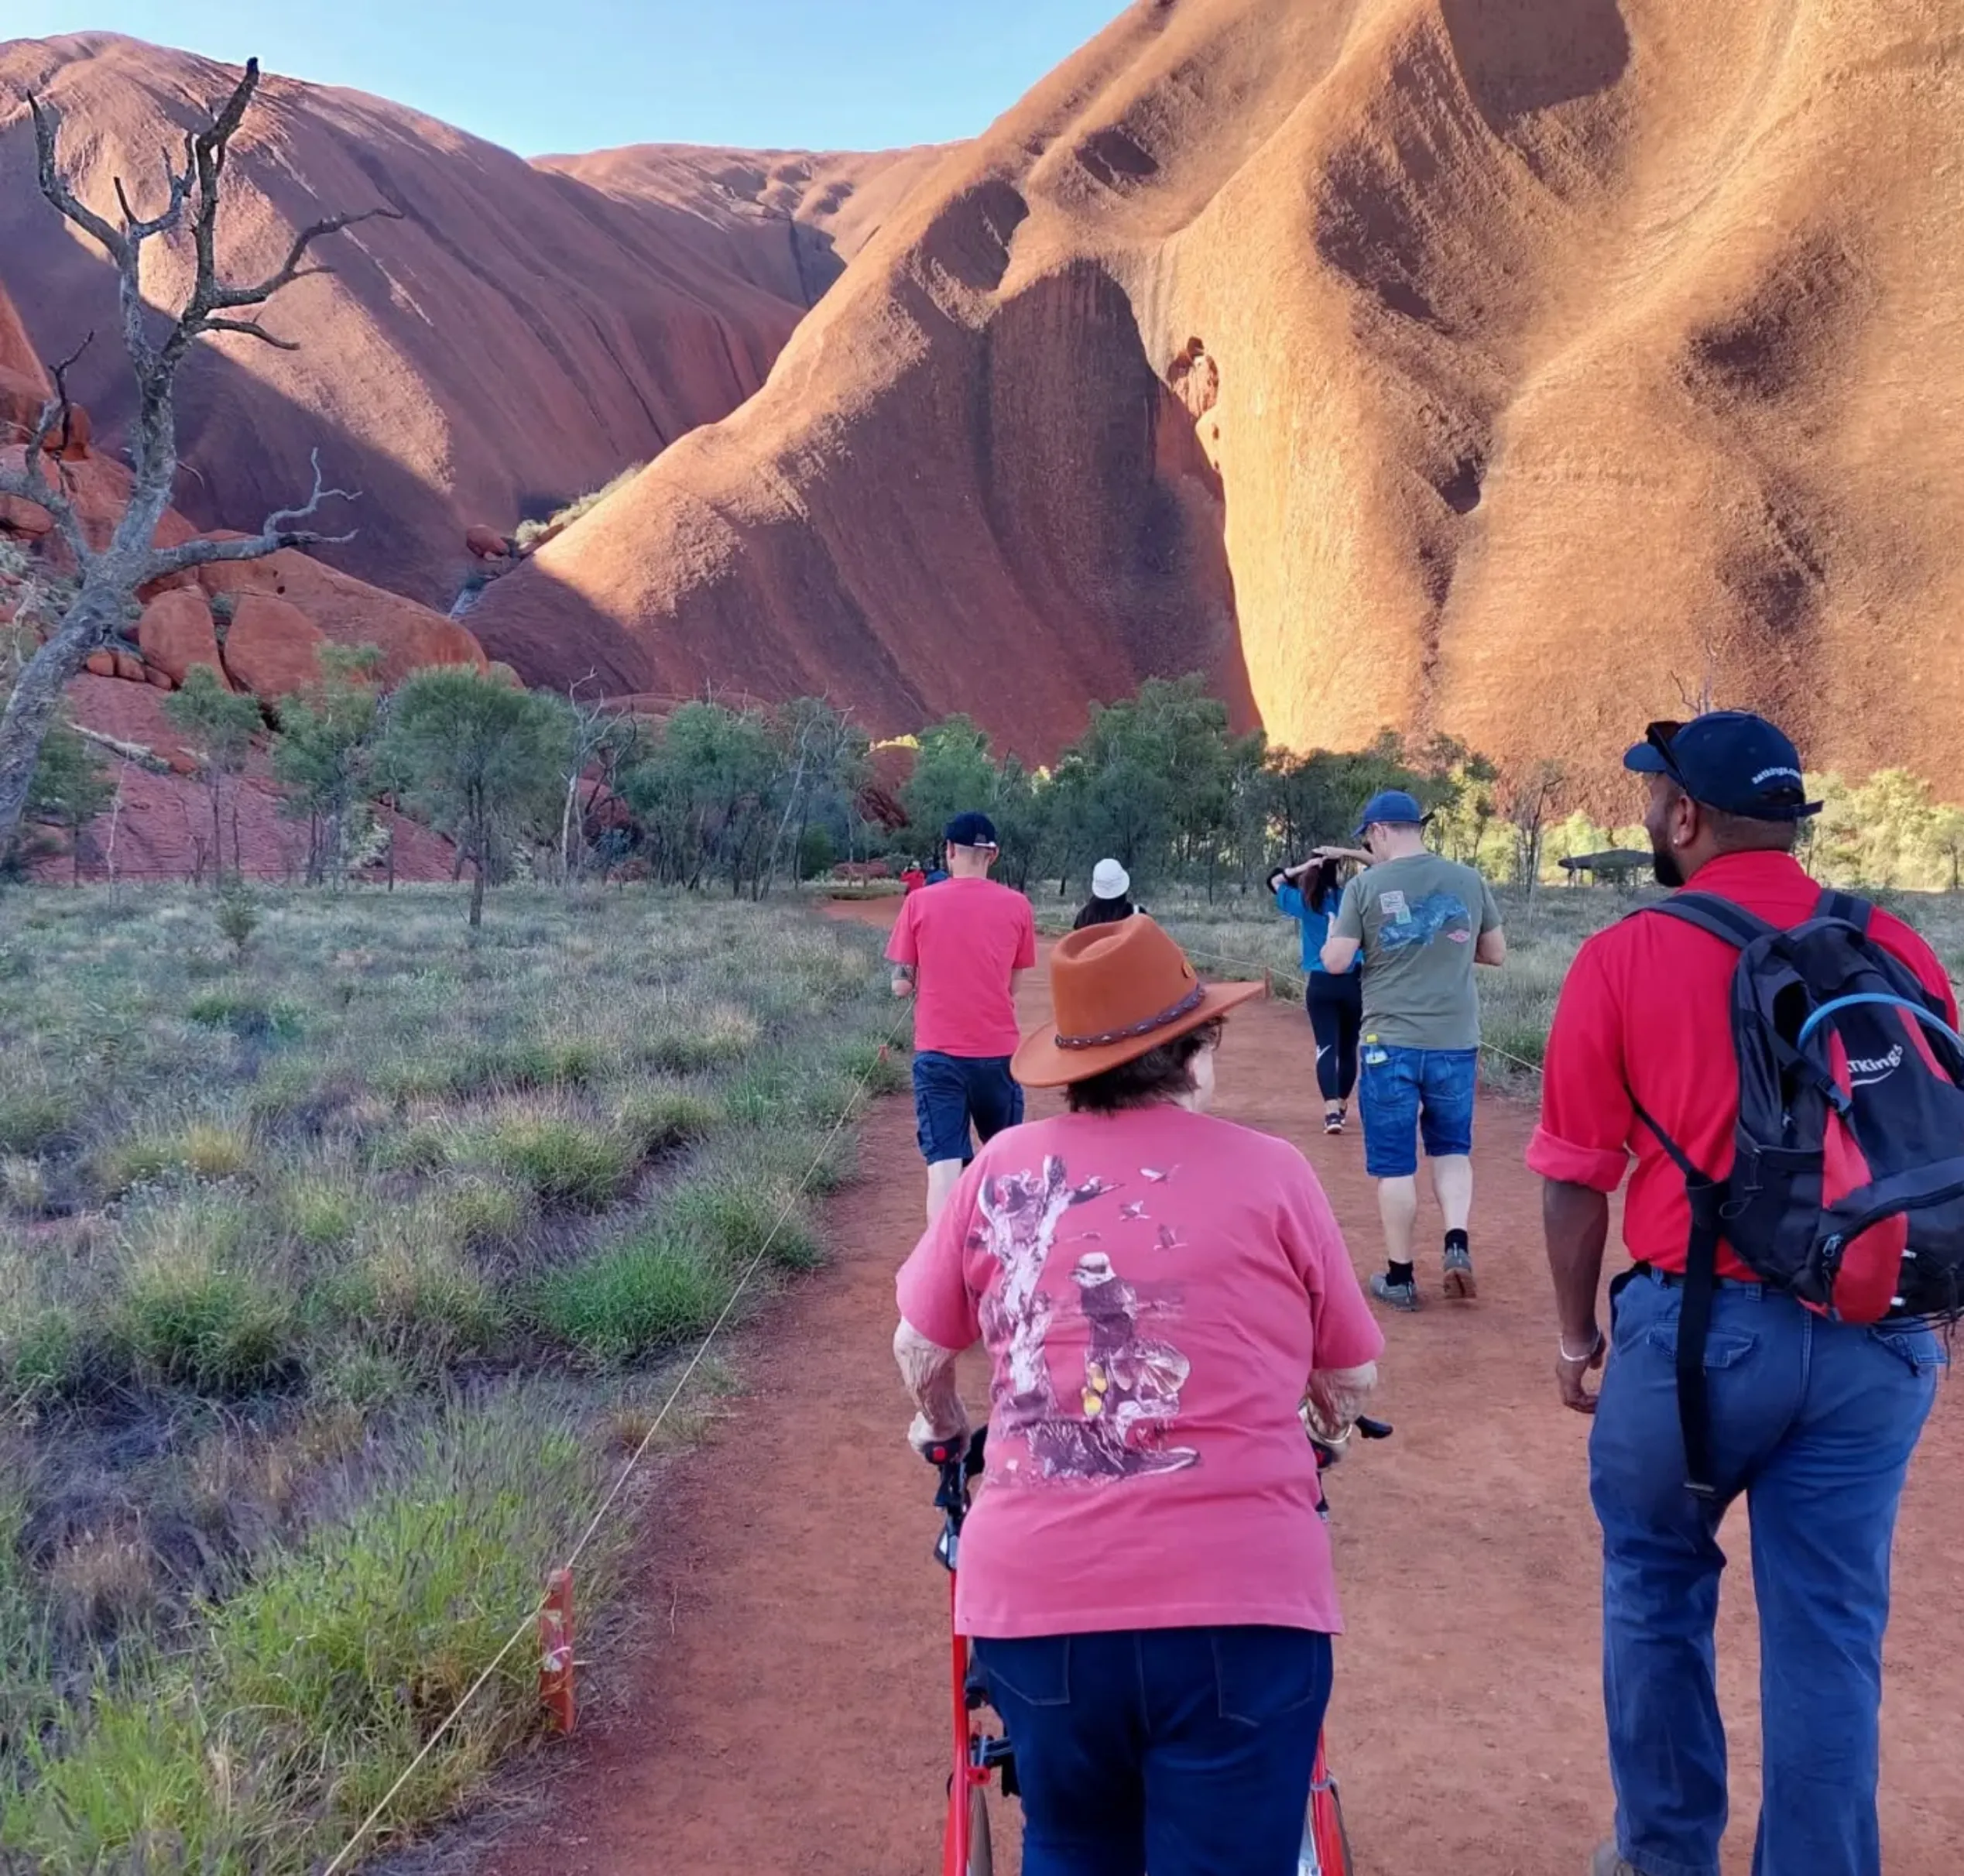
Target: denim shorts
1404	1093
954	1094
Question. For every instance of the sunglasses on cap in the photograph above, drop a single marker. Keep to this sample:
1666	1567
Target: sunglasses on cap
1660	735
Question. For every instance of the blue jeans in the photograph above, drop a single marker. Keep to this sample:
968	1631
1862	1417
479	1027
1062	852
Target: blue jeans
1815	1422
953	1094
1402	1093
1187	1751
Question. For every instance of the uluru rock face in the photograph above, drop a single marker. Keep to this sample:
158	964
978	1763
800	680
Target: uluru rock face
1518	369
511	342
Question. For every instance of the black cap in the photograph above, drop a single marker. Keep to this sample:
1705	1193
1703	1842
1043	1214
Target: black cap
1730	760
971	830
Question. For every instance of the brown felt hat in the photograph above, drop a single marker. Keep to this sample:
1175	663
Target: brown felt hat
1118	990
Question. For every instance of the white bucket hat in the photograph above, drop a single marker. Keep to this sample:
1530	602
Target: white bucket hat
1109	880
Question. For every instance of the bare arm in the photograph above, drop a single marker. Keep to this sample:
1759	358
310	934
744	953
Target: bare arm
1336	1396
1492	948
1575	1222
1339	954
903	981
928	1370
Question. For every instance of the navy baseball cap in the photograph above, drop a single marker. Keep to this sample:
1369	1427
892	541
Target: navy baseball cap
1730	760
971	830
1390	807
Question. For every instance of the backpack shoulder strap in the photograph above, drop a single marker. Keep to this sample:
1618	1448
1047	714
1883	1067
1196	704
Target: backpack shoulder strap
1845	908
1721	917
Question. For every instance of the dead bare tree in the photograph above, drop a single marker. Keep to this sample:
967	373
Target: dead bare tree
105	599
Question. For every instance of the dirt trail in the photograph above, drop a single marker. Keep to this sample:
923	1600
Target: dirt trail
787	1717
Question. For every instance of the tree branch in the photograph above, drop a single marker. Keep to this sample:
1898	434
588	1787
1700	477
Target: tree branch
250	328
47	126
292	270
273	535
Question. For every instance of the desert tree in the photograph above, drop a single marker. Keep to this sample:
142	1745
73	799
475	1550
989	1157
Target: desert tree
483	761
221	724
321	756
104	599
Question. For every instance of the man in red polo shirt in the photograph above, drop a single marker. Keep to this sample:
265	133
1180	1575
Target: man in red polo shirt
1814	1420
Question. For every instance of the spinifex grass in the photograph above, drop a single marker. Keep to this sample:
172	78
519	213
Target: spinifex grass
309	1263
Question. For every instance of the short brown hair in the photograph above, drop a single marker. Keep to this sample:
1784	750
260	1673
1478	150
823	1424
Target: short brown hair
1162	1074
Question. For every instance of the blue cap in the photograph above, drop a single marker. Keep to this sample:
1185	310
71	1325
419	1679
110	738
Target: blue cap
1730	760
971	830
1390	807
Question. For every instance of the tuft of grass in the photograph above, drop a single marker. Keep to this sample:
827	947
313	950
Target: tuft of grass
34	1119
249	1014
23	1184
653	1289
739	1219
658	1116
205	1149
421	1147
413	1295
190	1316
103	1584
564	1160
480	1211
692	1041
324	1212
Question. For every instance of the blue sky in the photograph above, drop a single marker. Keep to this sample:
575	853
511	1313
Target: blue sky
541	76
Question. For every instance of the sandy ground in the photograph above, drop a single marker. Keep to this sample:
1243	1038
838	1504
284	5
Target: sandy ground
786	1713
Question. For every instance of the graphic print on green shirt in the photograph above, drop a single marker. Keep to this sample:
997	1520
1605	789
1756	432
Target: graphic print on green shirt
1418	920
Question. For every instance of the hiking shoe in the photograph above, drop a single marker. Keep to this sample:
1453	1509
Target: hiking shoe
1399	1295
1608	1861
1459	1274
1333	1122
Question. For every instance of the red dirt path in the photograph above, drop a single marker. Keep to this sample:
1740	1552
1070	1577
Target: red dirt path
787	1717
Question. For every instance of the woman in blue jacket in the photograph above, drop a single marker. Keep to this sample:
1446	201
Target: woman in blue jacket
1310	893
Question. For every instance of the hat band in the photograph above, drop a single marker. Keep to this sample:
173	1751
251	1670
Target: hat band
1189	1002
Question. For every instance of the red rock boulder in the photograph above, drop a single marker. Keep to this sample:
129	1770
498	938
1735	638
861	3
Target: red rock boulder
129	666
176	633
99	664
20	516
21	399
272	648
487	544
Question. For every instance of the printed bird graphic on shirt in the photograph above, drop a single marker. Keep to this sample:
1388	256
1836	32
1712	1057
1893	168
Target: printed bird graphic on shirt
1130	1381
1135	1209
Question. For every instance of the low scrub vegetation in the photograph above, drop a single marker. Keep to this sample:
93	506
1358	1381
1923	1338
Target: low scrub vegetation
328	1273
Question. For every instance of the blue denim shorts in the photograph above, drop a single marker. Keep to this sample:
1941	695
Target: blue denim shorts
1402	1094
954	1094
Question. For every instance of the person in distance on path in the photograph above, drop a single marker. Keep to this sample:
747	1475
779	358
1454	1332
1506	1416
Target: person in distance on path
1420	924
1309	893
1813	1418
1149	1585
959	951
1111	896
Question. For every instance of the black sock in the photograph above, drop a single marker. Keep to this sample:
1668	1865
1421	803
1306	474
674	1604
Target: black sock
1399	1273
1456	1240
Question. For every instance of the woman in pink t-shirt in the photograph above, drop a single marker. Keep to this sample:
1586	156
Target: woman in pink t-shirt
1145	1574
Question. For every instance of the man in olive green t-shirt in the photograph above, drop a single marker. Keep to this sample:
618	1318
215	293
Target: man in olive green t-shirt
1422	923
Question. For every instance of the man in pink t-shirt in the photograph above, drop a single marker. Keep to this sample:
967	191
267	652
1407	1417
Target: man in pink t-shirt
958	949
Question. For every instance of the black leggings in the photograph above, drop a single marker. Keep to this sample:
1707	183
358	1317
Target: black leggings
1336	1013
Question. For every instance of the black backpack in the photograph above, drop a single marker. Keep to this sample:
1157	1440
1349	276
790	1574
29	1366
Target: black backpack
1847	1184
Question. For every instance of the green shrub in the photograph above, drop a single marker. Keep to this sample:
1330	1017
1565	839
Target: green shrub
46	1355
657	1288
564	1161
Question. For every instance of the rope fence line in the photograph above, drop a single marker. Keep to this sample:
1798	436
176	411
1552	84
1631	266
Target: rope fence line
528	1622
1273	973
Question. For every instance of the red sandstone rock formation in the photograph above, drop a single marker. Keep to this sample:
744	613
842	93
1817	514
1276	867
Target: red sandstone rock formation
1550	358
513	341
